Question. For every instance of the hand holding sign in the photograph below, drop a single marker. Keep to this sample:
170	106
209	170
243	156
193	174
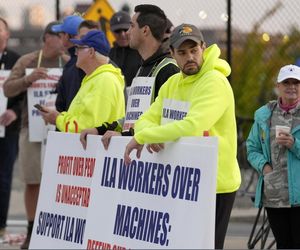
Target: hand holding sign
84	133
36	74
155	147
107	136
8	117
129	148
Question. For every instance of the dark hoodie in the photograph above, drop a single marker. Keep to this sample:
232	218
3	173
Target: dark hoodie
127	59
69	83
7	61
148	66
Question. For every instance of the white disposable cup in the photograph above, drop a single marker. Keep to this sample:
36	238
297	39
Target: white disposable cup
279	129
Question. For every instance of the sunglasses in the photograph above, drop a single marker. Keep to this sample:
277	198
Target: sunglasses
81	47
120	31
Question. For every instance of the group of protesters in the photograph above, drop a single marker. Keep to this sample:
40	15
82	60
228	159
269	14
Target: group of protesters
96	82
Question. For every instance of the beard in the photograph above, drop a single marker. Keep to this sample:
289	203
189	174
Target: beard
191	68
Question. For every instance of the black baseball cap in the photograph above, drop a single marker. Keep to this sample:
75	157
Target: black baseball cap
185	32
120	20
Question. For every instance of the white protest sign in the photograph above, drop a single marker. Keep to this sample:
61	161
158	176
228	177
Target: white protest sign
3	100
65	192
37	94
46	129
139	99
89	199
164	200
49	102
174	110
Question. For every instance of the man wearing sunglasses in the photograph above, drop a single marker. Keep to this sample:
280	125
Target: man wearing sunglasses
128	59
72	76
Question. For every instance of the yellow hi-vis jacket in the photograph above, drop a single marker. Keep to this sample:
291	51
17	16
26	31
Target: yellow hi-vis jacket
100	99
211	109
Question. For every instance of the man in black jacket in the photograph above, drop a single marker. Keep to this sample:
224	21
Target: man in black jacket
72	76
10	119
128	59
147	36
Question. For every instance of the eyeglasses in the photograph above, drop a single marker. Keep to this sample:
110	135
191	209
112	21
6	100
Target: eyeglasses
120	31
53	33
81	47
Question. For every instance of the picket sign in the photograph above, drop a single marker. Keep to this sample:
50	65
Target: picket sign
3	100
64	192
140	96
49	102
90	200
40	93
46	129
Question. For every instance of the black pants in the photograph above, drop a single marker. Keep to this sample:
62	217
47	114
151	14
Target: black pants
224	203
285	223
8	154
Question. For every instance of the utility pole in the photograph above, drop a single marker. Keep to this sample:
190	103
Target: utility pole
57	10
229	39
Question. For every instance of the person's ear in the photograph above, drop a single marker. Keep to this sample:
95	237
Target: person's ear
146	30
45	37
7	36
92	51
172	52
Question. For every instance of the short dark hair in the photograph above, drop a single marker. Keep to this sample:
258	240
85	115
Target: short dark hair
154	17
48	29
5	23
90	24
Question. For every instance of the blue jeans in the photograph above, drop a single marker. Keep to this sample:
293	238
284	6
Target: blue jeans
8	154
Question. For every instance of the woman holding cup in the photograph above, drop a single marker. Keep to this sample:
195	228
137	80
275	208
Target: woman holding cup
273	148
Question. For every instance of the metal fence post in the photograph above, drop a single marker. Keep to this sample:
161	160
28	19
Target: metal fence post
229	35
57	10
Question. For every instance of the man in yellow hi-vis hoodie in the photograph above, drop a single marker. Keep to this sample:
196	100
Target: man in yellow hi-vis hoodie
100	98
201	99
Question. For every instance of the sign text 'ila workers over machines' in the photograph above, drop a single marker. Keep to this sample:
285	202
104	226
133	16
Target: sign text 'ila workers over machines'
94	201
164	200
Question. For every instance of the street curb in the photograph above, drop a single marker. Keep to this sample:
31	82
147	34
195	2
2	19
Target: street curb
243	214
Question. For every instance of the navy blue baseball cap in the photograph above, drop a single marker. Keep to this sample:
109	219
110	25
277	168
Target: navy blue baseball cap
69	25
95	39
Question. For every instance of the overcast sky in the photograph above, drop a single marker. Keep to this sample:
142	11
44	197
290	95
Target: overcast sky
245	12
